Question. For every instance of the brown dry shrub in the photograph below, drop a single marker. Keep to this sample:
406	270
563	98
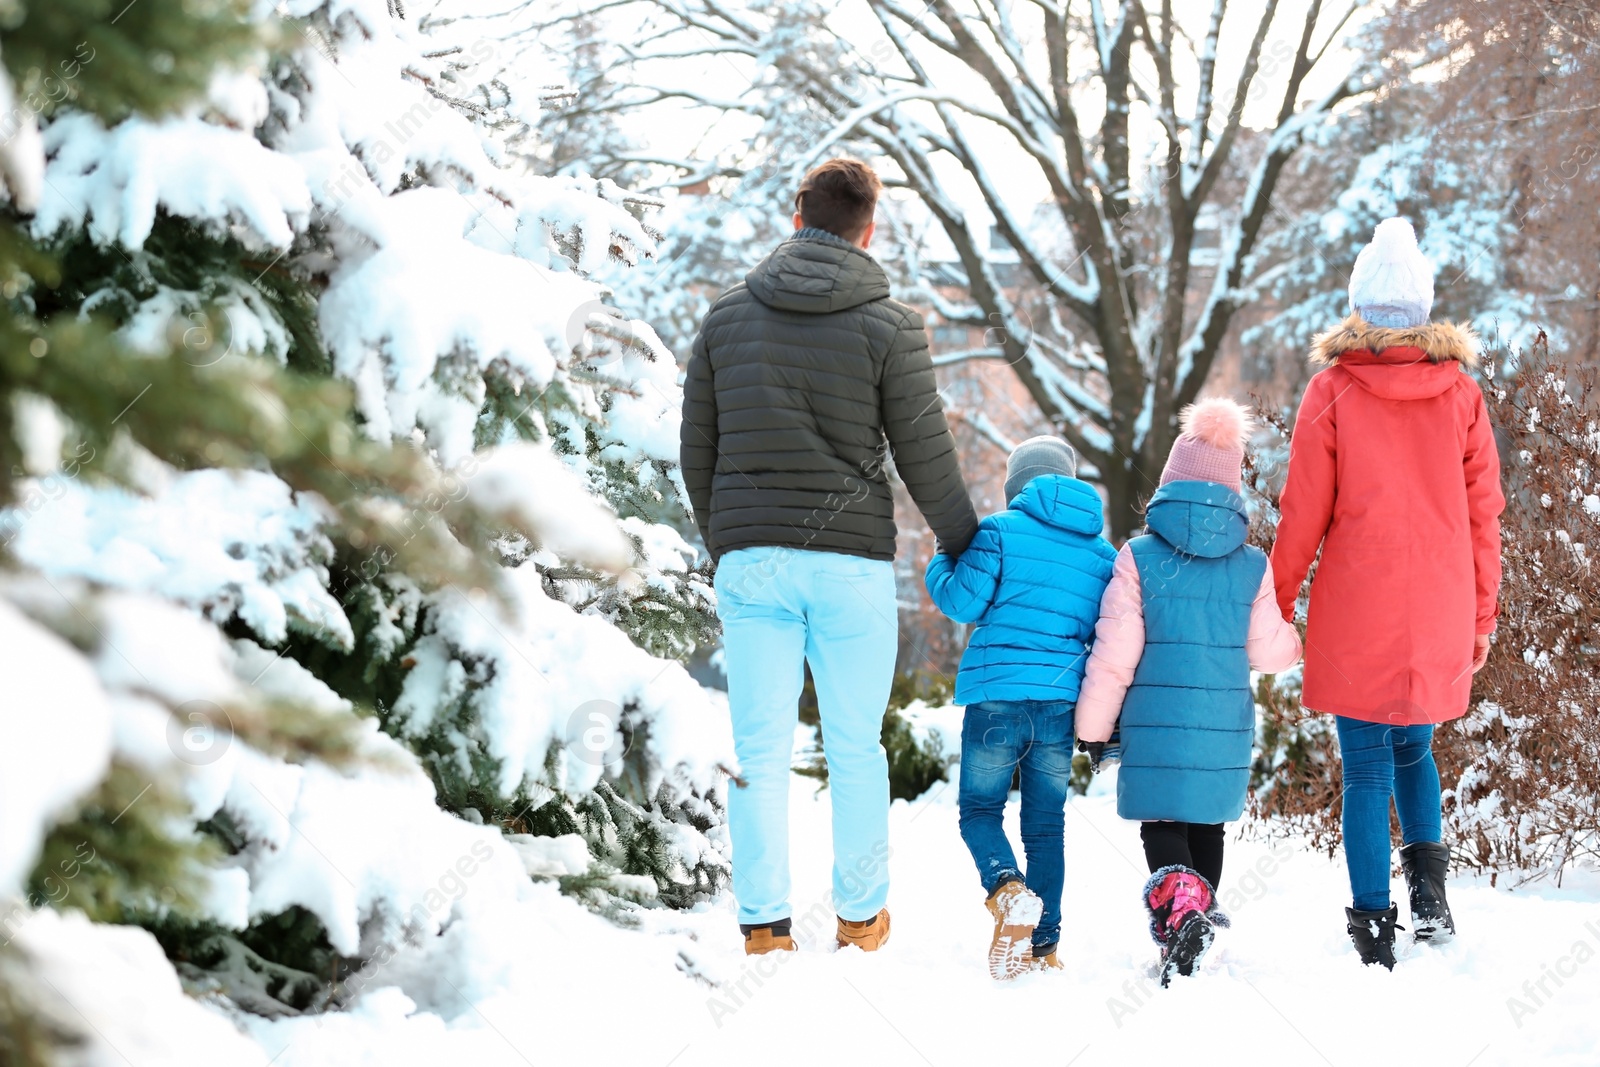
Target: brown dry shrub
1295	780
1521	770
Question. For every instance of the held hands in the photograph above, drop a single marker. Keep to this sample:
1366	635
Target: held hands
1103	754
1480	652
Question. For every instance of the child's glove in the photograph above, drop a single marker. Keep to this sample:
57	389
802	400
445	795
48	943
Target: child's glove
1103	753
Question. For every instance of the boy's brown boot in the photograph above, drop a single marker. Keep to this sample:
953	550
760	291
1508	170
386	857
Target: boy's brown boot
1016	912
1044	958
869	935
759	940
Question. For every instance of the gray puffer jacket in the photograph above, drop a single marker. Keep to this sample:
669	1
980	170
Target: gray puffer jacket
797	377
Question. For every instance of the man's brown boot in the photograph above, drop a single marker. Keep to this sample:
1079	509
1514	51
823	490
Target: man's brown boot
868	935
1016	912
1048	962
759	940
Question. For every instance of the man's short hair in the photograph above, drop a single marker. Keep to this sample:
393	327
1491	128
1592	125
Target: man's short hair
839	196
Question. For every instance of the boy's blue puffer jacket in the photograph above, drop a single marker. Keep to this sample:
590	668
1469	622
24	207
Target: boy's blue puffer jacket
1032	580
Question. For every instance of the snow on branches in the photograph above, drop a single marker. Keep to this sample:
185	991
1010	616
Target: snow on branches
959	96
392	576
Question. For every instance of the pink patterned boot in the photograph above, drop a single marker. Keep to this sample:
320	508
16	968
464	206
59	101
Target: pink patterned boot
1183	918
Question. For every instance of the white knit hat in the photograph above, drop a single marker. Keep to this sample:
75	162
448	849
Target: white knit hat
1392	284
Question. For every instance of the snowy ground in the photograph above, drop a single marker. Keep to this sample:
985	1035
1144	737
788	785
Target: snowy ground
1283	986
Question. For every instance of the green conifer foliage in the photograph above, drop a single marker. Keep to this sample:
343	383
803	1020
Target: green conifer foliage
198	347
114	58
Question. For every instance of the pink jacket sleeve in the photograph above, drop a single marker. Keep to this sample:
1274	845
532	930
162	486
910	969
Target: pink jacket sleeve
1306	507
1118	646
1273	644
1485	502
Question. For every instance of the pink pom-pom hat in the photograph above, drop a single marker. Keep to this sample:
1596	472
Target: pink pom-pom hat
1210	444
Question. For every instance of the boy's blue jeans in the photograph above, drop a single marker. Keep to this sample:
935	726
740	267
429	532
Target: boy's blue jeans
1382	761
998	736
782	608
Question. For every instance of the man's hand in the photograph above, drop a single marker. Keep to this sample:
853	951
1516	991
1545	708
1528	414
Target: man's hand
1480	652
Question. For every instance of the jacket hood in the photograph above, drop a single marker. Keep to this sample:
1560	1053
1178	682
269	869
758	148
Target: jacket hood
1062	501
1410	363
816	272
1391	375
1432	342
1198	518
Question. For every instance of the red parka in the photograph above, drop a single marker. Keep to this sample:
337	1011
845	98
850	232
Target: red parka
1393	472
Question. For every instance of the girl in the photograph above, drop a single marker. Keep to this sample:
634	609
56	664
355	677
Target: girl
1188	614
1031	580
1393	472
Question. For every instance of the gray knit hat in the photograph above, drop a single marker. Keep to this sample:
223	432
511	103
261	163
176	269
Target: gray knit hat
1036	456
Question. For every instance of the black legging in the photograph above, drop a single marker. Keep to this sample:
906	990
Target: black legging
1193	844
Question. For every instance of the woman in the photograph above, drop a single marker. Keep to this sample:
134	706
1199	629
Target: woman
1393	472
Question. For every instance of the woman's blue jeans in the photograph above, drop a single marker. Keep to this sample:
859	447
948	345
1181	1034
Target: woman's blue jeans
1383	761
998	737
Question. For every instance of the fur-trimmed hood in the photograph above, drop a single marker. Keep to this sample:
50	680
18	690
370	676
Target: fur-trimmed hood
1438	341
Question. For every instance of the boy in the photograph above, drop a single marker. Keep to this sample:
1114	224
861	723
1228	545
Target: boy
1032	580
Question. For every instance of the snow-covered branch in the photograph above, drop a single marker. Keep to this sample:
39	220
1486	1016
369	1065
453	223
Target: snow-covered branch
986	430
967	355
1110	286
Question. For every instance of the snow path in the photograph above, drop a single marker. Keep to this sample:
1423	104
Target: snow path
1282	985
541	981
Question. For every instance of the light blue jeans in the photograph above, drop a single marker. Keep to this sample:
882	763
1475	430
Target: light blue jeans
782	608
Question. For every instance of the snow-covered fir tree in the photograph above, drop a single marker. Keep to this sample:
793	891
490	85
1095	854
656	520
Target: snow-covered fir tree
1361	168
340	571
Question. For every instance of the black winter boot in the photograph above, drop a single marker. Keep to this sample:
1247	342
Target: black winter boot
1373	934
1425	864
1187	947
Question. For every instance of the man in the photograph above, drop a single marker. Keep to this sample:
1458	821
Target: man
796	380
